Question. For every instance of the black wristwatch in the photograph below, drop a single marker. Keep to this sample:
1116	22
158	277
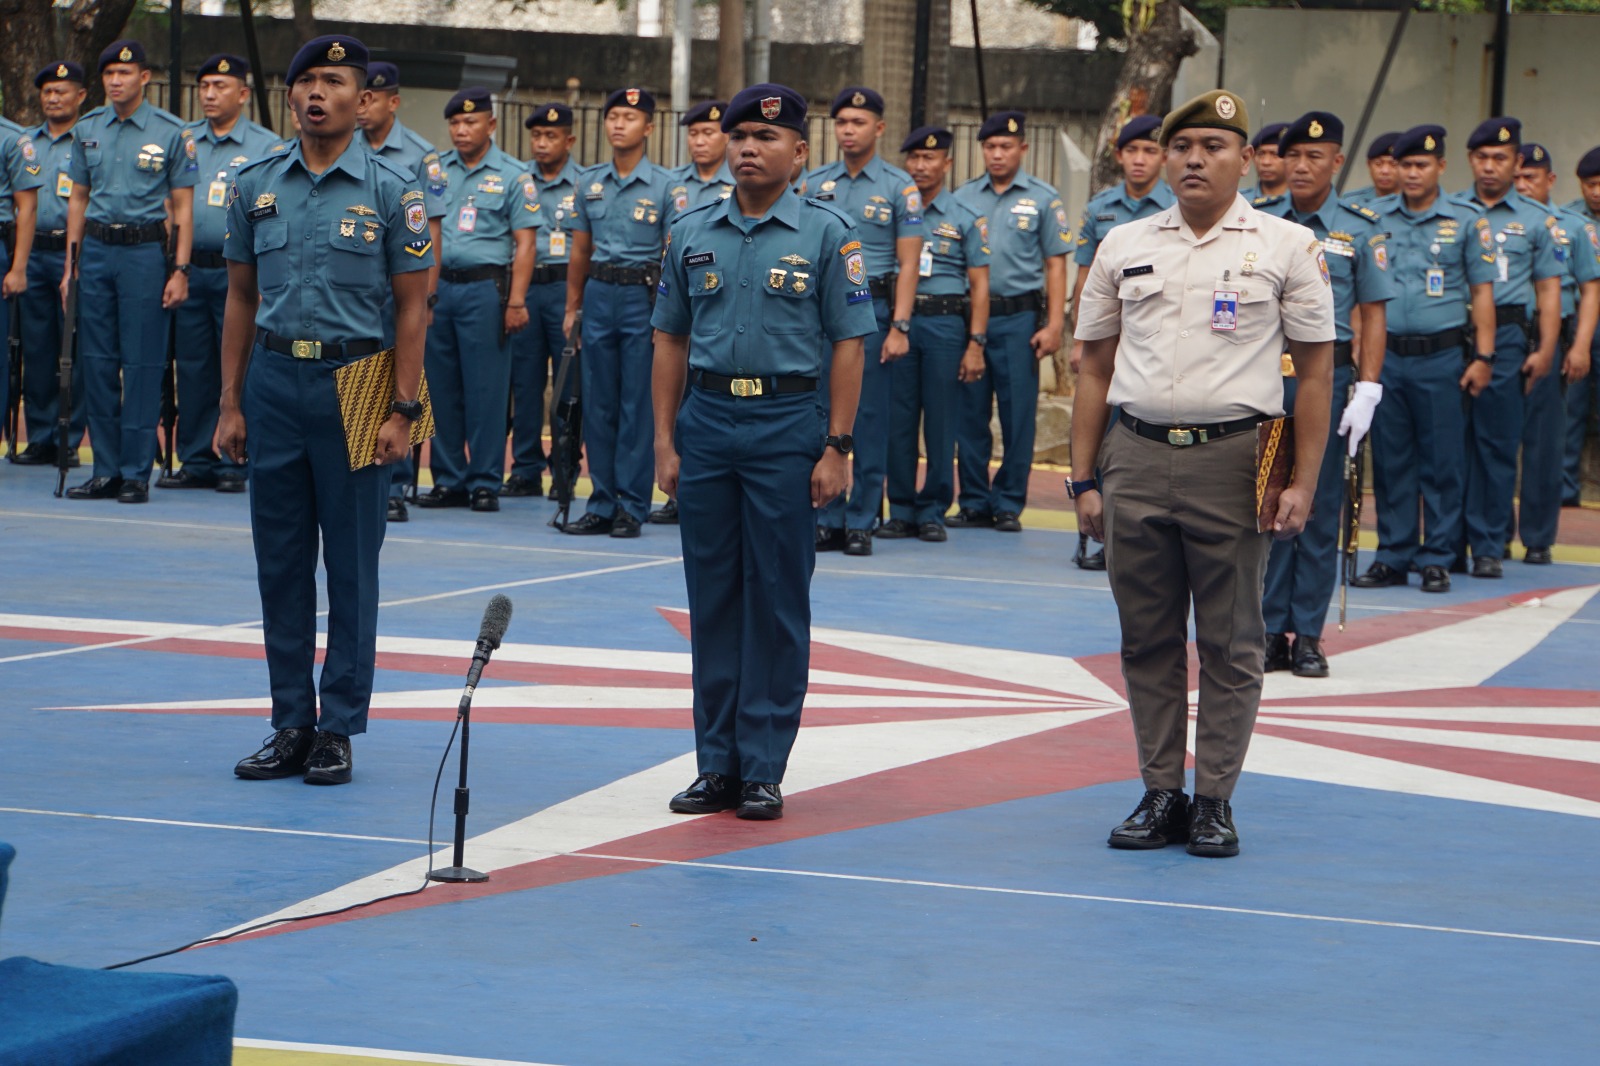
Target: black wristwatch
410	410
1480	357
901	324
844	443
980	339
181	268
433	300
1078	488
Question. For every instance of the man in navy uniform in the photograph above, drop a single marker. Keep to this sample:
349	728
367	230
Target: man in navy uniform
1272	178
749	286
224	141
20	178
533	350
129	158
1582	391
492	213
1381	168
306	281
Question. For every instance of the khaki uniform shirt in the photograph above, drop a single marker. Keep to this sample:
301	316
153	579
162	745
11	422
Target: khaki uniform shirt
1203	321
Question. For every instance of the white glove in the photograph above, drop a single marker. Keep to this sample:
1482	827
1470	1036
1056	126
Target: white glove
1358	413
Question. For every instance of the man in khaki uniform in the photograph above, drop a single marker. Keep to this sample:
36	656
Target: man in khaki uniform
1185	317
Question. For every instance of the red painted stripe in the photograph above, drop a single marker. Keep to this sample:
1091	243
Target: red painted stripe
1520	729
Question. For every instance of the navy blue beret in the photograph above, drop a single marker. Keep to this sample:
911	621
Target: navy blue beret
928	137
1003	123
776	105
1495	131
1313	127
638	99
1268	135
62	71
1589	165
709	111
332	50
1536	155
383	75
126	51
470	101
1382	144
223	63
1139	128
1419	140
551	115
857	96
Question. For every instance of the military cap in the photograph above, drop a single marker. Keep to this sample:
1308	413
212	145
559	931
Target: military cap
1003	123
776	105
64	70
857	96
1589	165
552	114
1268	135
1138	128
709	111
383	75
1218	109
1313	127
1536	155
928	137
1495	131
470	101
125	51
332	50
1419	140
223	63
1382	144
638	99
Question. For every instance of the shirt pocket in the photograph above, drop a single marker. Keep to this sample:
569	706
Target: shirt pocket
353	261
1257	316
788	309
875	214
271	240
706	285
1141	312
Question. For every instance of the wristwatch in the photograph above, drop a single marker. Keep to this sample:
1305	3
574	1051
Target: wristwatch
844	443
433	300
1078	488
901	324
181	268
1481	357
410	410
980	339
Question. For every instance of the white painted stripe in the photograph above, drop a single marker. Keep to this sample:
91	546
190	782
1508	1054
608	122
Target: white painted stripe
235	632
1509	743
209	825
187	527
531	581
377	1053
1531	716
840	571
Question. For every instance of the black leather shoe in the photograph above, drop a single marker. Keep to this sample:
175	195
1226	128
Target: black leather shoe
96	488
1211	831
485	500
932	532
1161	818
895	529
232	483
590	525
443	497
624	526
517	485
36	455
1308	658
1097	561
397	510
829	540
330	761
970	518
1570	501
1537	557
1484	566
857	542
1007	522
707	794
760	801
666	516
1434	579
283	754
187	479
1381	576
134	492
1277	657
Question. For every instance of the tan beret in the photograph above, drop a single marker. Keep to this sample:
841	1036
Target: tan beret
1218	109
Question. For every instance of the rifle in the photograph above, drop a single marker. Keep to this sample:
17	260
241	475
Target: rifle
566	428
13	376
65	451
1350	533
169	375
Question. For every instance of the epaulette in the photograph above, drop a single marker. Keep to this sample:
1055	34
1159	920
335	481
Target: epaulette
695	210
257	162
828	207
1261	200
404	175
1365	212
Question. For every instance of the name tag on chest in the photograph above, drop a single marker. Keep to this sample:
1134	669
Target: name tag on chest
1224	310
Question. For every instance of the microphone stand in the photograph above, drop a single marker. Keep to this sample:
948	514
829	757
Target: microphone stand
460	872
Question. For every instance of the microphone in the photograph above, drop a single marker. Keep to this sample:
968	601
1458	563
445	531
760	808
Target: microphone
496	617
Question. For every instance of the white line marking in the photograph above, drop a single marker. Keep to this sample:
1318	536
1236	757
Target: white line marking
376	1053
210	825
475	545
532	581
186	526
191	632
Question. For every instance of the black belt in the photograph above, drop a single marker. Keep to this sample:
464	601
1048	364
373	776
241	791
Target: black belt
544	275
1014	305
949	304
207	260
50	240
764	386
118	233
1510	315
272	342
1184	436
882	288
1343	354
624	275
7	231
470	274
1425	343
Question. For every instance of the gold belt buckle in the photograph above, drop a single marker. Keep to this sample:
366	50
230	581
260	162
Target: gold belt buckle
1180	438
306	349
745	386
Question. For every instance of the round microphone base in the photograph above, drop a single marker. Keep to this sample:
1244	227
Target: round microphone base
458	875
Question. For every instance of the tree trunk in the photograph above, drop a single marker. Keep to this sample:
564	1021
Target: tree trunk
305	20
1157	43
730	48
30	41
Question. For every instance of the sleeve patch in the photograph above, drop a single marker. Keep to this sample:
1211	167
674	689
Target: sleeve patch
853	246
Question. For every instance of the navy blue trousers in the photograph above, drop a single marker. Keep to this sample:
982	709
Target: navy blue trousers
1581	399
199	326
468	365
301	486
1416	453
924	387
869	459
749	548
1494	432
1302	571
1011	378
1544	425
400	473
122	340
618	419
535	355
5	331
41	353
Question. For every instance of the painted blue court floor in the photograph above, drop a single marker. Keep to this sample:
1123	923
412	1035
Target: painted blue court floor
1421	831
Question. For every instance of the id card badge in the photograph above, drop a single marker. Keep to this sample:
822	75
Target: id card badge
467	221
1435	281
1224	311
217	194
1502	267
558	243
925	260
63	185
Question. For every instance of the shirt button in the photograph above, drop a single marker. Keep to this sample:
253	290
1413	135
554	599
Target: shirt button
744	283
1184	333
313	192
749	240
741	329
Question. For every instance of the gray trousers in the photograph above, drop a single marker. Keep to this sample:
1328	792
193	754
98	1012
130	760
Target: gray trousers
1180	527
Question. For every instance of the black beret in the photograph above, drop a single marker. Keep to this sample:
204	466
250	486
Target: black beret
638	99
709	111
1218	109
1589	165
1381	144
223	63
1003	123
64	70
383	75
928	137
1313	127
333	50
857	96
551	115
1536	155
1268	135
1495	131
127	51
470	101
776	105
1138	128
1419	140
